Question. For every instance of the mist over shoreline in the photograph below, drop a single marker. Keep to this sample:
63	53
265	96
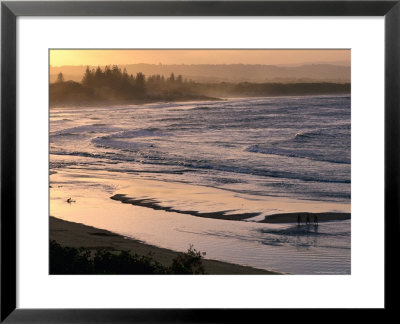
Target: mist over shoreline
208	73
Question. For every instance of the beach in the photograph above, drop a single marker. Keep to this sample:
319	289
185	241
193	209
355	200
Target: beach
78	235
230	177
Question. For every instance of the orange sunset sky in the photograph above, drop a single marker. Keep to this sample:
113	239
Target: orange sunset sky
268	57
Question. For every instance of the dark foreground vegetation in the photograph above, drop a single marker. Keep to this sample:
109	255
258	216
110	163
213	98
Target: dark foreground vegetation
112	85
68	260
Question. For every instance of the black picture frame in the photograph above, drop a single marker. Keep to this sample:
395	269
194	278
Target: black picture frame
10	10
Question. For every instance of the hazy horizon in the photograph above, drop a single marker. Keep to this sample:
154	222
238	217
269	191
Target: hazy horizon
224	72
336	63
102	57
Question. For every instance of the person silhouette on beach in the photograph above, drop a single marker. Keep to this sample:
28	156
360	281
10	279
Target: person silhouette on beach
298	219
308	219
315	220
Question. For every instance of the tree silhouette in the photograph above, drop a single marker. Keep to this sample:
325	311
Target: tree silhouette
87	77
60	78
140	83
113	85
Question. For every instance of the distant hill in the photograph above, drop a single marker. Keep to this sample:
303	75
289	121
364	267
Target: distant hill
228	72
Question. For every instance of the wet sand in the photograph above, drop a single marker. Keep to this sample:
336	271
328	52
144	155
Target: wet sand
78	235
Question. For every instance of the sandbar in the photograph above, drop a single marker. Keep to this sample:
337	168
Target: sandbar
293	217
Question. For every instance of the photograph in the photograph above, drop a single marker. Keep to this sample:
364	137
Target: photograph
185	161
199	161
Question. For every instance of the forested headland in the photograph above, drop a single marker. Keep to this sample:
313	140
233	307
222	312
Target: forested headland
112	85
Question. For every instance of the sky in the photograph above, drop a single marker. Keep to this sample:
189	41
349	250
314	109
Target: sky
60	57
